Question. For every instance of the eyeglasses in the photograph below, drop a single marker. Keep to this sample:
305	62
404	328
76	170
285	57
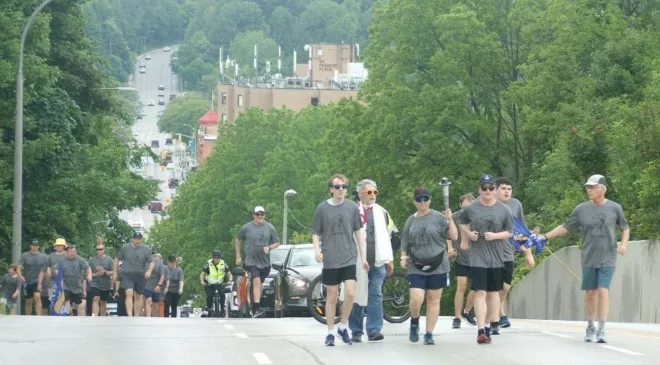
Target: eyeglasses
99	249
488	187
340	187
372	192
422	199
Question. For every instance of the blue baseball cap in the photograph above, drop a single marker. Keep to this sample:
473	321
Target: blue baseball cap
421	191
486	179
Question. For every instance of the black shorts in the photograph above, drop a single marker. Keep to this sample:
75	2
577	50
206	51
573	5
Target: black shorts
337	276
73	297
135	282
30	289
261	273
104	295
489	280
507	273
461	270
45	300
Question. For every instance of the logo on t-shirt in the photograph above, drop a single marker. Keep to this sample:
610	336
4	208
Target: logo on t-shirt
487	224
597	226
337	225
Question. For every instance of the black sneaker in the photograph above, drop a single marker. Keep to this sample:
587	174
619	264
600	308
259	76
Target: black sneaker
456	323
469	319
330	340
495	330
344	336
504	322
376	336
356	338
259	313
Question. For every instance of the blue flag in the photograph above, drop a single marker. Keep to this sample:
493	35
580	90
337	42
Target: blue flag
523	236
57	307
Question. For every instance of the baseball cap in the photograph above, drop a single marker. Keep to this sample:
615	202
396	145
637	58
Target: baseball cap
34	242
259	209
486	179
137	235
60	242
596	180
421	191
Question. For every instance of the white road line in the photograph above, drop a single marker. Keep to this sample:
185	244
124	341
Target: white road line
557	334
241	335
221	321
261	358
229	327
624	351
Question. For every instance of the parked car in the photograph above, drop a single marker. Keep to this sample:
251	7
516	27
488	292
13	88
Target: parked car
161	101
147	57
292	279
155	143
161	87
166	49
161	93
185	312
168	141
151	102
155	206
172	183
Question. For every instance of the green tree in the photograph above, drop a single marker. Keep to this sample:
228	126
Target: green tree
183	113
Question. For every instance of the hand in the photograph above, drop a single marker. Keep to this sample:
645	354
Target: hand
319	256
15	295
49	274
267	250
84	294
147	274
365	265
621	249
489	236
102	271
447	213
156	289
474	235
89	277
238	261
203	283
180	291
404	262
389	269
465	246
542	237
451	252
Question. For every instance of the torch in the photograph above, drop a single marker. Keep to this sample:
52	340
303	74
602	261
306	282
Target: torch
444	182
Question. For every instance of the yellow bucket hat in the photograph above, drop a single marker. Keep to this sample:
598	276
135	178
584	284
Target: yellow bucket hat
60	242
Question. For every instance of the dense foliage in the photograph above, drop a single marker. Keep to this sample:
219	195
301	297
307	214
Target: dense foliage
76	153
545	92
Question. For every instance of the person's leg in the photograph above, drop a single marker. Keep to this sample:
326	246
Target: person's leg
461	286
590	286
168	304
209	297
148	297
375	303
348	277
494	284
507	278
604	278
417	285
138	296
175	305
356	323
331	281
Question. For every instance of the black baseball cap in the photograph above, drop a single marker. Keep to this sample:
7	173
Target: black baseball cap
137	235
486	179
35	242
171	258
421	191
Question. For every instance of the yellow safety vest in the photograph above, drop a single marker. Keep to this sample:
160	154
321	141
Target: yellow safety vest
216	273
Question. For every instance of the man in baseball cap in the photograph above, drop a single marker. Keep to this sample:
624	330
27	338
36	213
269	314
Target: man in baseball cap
597	218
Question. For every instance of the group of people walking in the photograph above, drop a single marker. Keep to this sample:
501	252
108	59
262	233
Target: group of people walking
63	283
354	242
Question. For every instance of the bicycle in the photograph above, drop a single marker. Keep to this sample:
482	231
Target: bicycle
396	296
216	309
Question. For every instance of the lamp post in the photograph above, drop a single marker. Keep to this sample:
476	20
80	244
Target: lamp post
194	138
17	221
287	194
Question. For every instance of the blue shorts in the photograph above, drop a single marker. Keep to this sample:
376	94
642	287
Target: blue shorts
594	278
428	282
149	294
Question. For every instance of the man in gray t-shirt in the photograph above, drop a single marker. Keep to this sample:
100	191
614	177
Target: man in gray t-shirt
137	266
335	227
74	270
260	238
153	289
101	266
462	269
31	271
598	219
488	224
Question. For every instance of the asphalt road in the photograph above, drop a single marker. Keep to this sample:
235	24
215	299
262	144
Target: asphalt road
299	341
145	130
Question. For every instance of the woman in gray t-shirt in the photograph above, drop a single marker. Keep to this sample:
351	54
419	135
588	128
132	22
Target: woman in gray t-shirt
424	255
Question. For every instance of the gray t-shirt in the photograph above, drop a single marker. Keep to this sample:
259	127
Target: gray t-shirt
32	264
9	286
495	218
101	282
425	238
135	260
599	248
463	257
53	261
73	274
166	272
153	280
255	238
336	226
516	211
175	275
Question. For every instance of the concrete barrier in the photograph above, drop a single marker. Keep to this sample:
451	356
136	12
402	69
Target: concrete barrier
550	292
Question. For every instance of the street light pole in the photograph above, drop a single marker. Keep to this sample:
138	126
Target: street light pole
17	221
287	194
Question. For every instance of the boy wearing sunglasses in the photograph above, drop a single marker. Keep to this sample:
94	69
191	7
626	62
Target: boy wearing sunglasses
488	224
335	233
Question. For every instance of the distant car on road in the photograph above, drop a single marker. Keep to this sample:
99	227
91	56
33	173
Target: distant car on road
161	93
151	103
172	183
155	206
172	96
167	49
161	101
147	57
161	87
155	144
143	70
168	141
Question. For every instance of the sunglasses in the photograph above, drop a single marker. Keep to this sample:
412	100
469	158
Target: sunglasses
99	249
372	192
487	187
422	199
260	214
340	187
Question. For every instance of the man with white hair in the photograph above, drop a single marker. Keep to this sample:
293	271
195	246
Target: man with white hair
378	225
597	218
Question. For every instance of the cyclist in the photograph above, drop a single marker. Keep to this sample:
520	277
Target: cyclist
212	277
